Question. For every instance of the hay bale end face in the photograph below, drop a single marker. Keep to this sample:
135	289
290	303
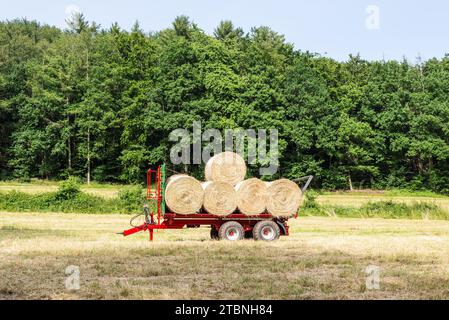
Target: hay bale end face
251	196
183	194
220	198
226	167
283	198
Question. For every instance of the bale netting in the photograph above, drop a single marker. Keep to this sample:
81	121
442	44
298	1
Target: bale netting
226	167
251	196
183	194
283	198
220	198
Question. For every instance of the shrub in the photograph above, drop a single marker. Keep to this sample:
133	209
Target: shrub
54	202
390	209
68	189
131	198
310	200
378	209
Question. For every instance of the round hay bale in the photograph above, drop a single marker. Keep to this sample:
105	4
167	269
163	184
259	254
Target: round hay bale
251	196
227	167
283	198
183	194
220	198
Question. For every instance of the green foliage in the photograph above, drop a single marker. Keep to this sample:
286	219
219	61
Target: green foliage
53	202
310	200
418	210
381	209
68	189
132	198
100	104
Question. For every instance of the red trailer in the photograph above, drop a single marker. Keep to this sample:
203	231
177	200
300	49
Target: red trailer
232	227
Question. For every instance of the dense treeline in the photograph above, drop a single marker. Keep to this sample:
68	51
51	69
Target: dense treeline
100	103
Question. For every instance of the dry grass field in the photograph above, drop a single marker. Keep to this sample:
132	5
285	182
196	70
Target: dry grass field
357	199
41	186
324	258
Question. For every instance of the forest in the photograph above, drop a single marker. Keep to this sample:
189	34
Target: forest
99	103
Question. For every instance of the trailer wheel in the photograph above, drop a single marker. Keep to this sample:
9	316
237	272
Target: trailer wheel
231	230
213	233
266	231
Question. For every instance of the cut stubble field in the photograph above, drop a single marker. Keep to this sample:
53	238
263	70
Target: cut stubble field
323	258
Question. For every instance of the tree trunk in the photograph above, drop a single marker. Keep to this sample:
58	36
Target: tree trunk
88	129
420	167
350	182
69	148
69	141
88	156
43	166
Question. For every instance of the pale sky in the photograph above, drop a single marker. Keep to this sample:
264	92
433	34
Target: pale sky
376	29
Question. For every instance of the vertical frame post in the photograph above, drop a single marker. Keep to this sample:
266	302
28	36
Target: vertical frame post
159	194
156	194
163	176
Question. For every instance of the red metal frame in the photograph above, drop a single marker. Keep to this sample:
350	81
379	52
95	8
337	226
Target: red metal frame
167	220
176	221
155	192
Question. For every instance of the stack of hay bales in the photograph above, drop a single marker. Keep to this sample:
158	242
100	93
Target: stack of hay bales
226	191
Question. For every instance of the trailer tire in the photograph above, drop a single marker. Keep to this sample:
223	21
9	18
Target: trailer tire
213	233
231	230
266	231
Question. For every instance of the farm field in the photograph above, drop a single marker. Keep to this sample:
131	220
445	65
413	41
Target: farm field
323	258
107	191
357	199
